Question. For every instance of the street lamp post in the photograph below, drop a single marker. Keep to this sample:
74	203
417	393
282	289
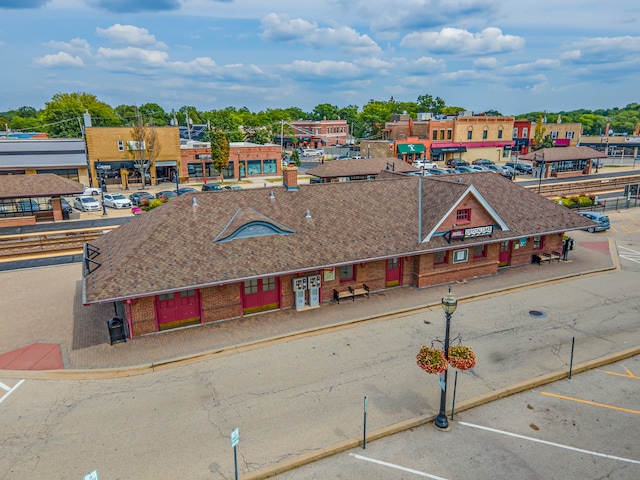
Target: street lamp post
541	172
103	187
449	304
177	181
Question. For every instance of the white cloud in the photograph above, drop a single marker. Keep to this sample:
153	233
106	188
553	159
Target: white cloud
458	41
486	63
60	59
604	50
130	35
279	28
325	68
131	59
77	45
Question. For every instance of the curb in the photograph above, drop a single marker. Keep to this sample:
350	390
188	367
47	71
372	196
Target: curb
399	427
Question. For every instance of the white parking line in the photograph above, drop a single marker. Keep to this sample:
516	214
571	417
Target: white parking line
633	255
9	389
397	467
552	444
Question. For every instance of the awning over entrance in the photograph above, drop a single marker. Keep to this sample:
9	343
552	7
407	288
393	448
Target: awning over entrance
448	149
410	148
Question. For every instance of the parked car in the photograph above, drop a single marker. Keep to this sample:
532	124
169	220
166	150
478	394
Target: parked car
520	168
116	200
600	218
478	168
166	194
342	157
211	187
501	170
233	187
482	161
86	203
184	190
423	164
29	205
92	191
311	153
463	169
457	162
438	171
136	198
66	207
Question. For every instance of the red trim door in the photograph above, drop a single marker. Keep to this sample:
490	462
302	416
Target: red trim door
261	294
504	258
177	309
394	272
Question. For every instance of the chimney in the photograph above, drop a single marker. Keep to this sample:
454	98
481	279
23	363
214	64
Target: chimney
290	177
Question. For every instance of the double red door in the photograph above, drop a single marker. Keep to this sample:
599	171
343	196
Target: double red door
177	309
261	294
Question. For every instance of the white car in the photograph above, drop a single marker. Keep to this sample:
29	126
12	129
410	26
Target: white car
424	164
311	153
92	191
86	203
116	200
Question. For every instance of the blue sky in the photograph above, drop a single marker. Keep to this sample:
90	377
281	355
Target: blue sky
512	56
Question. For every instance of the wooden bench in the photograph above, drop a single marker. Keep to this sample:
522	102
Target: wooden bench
351	293
546	257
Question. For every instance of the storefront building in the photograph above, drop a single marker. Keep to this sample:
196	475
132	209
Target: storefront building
239	253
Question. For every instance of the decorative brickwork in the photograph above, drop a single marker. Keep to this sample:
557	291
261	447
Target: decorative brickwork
143	318
221	303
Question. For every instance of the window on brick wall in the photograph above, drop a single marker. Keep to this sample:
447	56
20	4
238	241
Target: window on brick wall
485	134
440	258
463	215
449	134
500	133
441	134
538	242
479	251
347	273
470	135
121	145
460	256
434	135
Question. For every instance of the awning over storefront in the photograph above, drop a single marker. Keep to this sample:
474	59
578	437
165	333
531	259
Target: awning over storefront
448	149
409	148
520	142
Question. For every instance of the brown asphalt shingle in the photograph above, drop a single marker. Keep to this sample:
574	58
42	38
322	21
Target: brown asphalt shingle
172	247
558	154
359	167
40	185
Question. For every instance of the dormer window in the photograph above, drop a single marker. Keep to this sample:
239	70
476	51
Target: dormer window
463	215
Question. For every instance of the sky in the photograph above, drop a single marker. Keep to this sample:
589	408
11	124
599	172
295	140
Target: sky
507	55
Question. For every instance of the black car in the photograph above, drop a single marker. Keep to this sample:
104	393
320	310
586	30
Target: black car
483	161
523	168
181	191
457	162
211	187
136	198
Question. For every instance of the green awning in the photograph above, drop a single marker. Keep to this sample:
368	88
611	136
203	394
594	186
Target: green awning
410	148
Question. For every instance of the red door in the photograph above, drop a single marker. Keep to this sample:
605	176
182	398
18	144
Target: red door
504	258
394	272
261	294
177	309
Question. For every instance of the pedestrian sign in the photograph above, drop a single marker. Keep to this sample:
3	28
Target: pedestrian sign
441	381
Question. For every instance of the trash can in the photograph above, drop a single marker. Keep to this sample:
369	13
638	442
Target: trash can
65	214
116	330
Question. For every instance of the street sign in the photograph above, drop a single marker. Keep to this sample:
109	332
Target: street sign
103	167
235	437
441	381
91	476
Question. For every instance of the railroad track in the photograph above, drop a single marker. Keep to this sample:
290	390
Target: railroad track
47	244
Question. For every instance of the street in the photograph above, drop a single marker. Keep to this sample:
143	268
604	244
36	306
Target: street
288	399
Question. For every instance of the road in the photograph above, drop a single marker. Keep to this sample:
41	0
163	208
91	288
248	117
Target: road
291	398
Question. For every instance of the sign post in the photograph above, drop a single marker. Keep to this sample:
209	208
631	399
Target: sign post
235	439
364	430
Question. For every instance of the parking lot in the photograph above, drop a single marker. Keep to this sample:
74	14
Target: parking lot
583	428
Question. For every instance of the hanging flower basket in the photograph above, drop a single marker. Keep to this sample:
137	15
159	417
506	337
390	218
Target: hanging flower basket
461	357
431	360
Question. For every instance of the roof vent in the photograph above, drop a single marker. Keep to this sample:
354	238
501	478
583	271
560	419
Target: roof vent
308	214
194	202
271	195
459	180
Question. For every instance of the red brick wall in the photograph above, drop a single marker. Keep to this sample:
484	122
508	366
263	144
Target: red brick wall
479	216
143	318
220	303
523	255
17	221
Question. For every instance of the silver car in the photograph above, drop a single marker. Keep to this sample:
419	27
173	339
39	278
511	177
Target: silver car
116	200
86	203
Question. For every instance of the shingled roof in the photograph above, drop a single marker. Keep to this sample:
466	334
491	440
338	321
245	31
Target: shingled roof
360	167
558	154
40	185
177	245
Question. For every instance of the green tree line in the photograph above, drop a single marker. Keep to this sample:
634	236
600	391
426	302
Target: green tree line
62	117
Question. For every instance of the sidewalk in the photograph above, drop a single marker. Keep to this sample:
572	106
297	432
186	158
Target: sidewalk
49	312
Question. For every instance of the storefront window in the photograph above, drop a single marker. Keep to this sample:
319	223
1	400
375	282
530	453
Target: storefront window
254	167
195	170
270	166
228	172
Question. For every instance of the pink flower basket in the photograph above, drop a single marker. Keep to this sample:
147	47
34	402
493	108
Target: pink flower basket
431	360
461	357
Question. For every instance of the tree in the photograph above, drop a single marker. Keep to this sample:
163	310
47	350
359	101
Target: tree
154	114
538	134
219	149
295	158
144	147
427	103
325	111
63	115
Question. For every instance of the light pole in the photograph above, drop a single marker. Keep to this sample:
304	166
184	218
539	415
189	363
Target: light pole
103	186
449	304
177	181
541	171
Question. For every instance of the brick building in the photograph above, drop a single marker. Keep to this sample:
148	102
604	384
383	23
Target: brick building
207	257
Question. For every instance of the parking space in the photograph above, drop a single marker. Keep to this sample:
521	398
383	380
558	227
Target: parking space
7	387
585	427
